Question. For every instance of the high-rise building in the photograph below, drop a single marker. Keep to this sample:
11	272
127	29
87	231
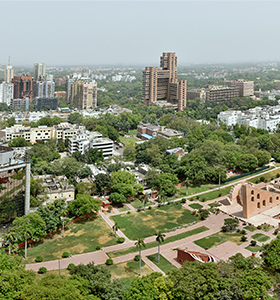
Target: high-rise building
39	71
23	87
221	93
6	93
246	88
163	85
6	73
43	89
46	104
84	94
20	104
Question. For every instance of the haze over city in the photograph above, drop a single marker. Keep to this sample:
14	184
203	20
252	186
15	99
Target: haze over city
122	32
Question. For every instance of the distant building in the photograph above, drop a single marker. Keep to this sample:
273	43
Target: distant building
39	71
196	93
60	94
23	87
84	94
43	89
6	73
6	93
163	84
221	93
246	88
276	85
149	131
46	104
20	104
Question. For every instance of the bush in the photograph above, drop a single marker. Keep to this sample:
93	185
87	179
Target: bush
138	209
121	240
275	232
98	247
253	243
149	207
168	203
224	229
203	199
110	207
243	232
262	178
65	254
42	270
244	224
238	230
70	267
259	227
183	200
39	258
277	175
128	213
243	238
109	262
220	194
137	257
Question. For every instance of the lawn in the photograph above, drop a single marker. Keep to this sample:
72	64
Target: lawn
219	238
163	264
253	249
137	203
132	132
214	204
266	176
195	189
147	223
213	195
250	228
260	237
80	237
129	140
128	270
195	206
123	208
155	243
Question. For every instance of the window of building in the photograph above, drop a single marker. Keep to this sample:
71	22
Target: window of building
258	196
270	200
263	202
252	199
259	205
252	192
277	198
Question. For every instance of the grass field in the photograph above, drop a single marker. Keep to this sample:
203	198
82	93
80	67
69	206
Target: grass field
122	208
213	195
163	264
137	203
260	237
266	176
155	243
129	140
80	237
195	206
147	223
195	189
253	249
219	238
250	228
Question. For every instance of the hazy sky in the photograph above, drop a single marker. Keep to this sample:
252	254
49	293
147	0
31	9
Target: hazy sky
137	32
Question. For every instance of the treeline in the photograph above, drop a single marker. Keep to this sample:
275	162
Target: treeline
238	278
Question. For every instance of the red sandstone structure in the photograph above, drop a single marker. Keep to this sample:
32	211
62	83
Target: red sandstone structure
255	200
185	255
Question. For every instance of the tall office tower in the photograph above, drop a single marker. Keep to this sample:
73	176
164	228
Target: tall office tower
6	93
84	94
161	85
6	73
39	71
23	87
43	89
246	88
69	81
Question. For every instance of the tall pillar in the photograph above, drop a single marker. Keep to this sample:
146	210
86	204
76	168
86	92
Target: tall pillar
27	189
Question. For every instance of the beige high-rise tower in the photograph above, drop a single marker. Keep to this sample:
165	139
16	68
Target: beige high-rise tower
163	85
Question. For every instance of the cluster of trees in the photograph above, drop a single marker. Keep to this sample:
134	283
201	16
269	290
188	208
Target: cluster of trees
238	278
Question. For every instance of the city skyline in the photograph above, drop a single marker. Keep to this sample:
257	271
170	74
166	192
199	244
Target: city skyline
135	33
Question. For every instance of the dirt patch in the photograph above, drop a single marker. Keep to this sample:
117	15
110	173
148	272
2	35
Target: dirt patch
103	239
77	249
78	233
147	218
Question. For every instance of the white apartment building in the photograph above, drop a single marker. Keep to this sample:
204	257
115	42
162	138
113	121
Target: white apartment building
44	89
41	133
266	117
85	140
6	92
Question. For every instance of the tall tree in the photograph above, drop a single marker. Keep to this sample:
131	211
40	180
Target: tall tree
116	228
139	244
160	239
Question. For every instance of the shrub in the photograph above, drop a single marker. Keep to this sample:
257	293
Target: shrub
183	200
220	194
277	175
253	243
42	270
168	203
149	207
203	199
70	267
197	197
138	209
137	257
244	224
243	232
224	229
275	232
193	212
121	240
243	238
238	230
128	213
271	178
265	181
110	207
109	262
259	227
98	247
262	178
39	258
65	254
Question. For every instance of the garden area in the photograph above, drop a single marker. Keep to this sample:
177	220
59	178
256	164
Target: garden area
260	237
163	264
79	237
265	177
146	223
219	238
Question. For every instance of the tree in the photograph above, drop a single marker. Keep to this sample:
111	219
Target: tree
116	228
117	198
18	142
93	155
86	188
187	184
247	162
129	152
144	199
103	183
85	172
83	204
231	224
123	183
159	238
270	255
139	244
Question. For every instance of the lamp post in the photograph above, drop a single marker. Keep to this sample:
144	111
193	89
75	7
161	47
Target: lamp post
9	246
219	179
62	226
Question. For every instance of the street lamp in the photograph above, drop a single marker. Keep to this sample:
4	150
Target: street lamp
62	219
